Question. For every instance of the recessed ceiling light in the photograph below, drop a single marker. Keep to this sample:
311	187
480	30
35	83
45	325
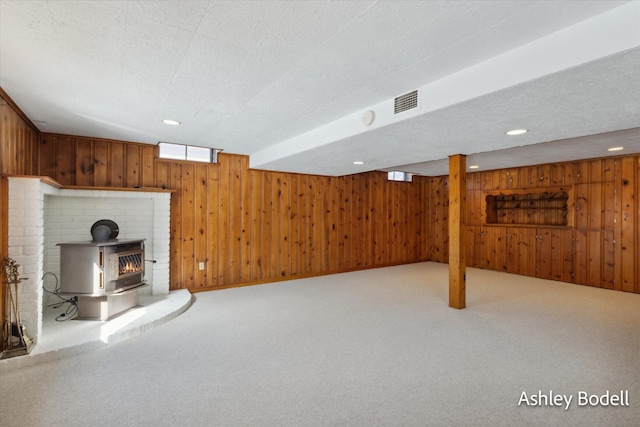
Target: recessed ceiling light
474	167
517	131
616	148
358	163
171	122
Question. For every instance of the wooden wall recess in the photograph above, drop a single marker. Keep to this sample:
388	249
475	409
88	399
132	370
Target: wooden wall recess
549	206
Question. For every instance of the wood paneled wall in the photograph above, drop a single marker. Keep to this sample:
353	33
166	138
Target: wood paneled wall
600	247
95	162
251	226
18	156
18	140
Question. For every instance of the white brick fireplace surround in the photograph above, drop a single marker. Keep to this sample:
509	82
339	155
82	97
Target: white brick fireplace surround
42	215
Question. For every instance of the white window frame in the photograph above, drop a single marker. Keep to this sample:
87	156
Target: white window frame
184	155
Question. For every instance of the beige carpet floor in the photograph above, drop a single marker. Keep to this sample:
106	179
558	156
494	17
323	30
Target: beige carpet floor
371	348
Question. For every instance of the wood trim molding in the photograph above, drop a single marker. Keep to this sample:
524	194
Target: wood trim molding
52	182
5	96
139	189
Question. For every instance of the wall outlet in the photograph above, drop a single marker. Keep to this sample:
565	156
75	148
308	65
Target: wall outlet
201	266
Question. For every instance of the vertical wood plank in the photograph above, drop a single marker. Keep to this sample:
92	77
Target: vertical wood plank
492	248
365	228
285	226
48	166
433	208
581	172
376	211
581	205
543	251
341	223
629	210
335	239
224	223
213	224
306	225
617	217
84	162
512	250
266	213
163	175
100	161
444	228
148	157
424	209
608	260
477	246
117	164
567	255
556	255
133	163
581	257
252	218
544	175
201	225
595	205
388	207
244	213
364	248
65	160
294	244
175	237
188	226
526	251
608	206
326	194
353	209
594	257
235	215
556	175
595	171
276	247
315	223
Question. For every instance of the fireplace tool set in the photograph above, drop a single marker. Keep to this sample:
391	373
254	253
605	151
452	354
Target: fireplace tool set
15	341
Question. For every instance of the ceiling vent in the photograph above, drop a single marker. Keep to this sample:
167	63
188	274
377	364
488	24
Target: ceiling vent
405	102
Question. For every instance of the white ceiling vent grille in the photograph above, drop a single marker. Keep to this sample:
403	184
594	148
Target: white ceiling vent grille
405	102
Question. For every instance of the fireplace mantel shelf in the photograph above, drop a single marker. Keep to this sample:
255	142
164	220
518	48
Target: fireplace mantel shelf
52	182
140	189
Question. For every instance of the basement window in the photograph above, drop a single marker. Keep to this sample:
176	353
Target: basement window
400	176
168	150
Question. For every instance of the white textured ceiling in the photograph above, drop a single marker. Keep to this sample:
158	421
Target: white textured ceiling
286	82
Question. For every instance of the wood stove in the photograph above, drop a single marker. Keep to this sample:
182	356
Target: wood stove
104	276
